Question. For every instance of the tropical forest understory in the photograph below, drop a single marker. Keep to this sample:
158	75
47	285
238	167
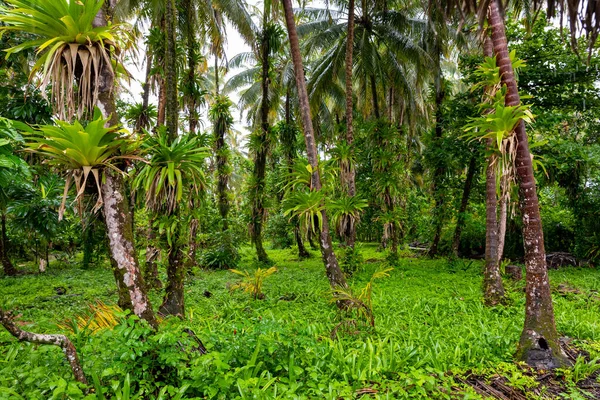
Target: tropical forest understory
299	200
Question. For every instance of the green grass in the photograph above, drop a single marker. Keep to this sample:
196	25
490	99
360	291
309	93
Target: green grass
430	319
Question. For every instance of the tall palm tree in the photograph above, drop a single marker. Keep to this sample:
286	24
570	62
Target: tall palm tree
539	344
332	268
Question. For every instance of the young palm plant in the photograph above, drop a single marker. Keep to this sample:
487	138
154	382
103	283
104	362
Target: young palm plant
70	49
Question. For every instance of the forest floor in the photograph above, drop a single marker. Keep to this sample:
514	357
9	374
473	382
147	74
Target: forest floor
433	337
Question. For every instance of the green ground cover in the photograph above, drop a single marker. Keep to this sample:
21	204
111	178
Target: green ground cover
431	325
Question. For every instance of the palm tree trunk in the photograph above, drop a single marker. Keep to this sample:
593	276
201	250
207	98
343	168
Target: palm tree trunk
493	290
162	104
438	214
349	178
9	268
460	221
539	345
332	268
374	95
171	70
117	214
504	197
143	121
260	160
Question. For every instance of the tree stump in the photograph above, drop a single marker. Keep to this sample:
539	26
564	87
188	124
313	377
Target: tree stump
515	272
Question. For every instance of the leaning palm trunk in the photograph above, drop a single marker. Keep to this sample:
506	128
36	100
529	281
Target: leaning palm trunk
332	268
349	178
117	213
539	345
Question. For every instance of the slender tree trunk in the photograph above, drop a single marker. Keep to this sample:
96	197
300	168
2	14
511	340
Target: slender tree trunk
61	341
260	160
172	105
116	209
504	197
122	249
493	290
222	160
438	213
152	253
144	121
9	268
374	95
539	345
173	302
332	268
288	141
460	221
162	104
349	176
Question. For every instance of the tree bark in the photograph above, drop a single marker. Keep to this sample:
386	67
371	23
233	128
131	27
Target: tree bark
143	121
539	345
116	210
349	177
152	253
222	160
173	302
260	160
57	340
504	197
172	104
374	95
9	268
464	202
332	268
493	289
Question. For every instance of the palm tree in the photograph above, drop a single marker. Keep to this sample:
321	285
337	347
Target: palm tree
332	268
539	344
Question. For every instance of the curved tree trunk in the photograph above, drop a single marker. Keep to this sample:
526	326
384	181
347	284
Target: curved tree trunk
61	341
539	345
332	268
349	177
117	213
9	268
460	220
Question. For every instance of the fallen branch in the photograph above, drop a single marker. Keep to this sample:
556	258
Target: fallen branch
61	341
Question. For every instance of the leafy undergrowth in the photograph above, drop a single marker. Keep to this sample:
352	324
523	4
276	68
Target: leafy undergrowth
431	333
